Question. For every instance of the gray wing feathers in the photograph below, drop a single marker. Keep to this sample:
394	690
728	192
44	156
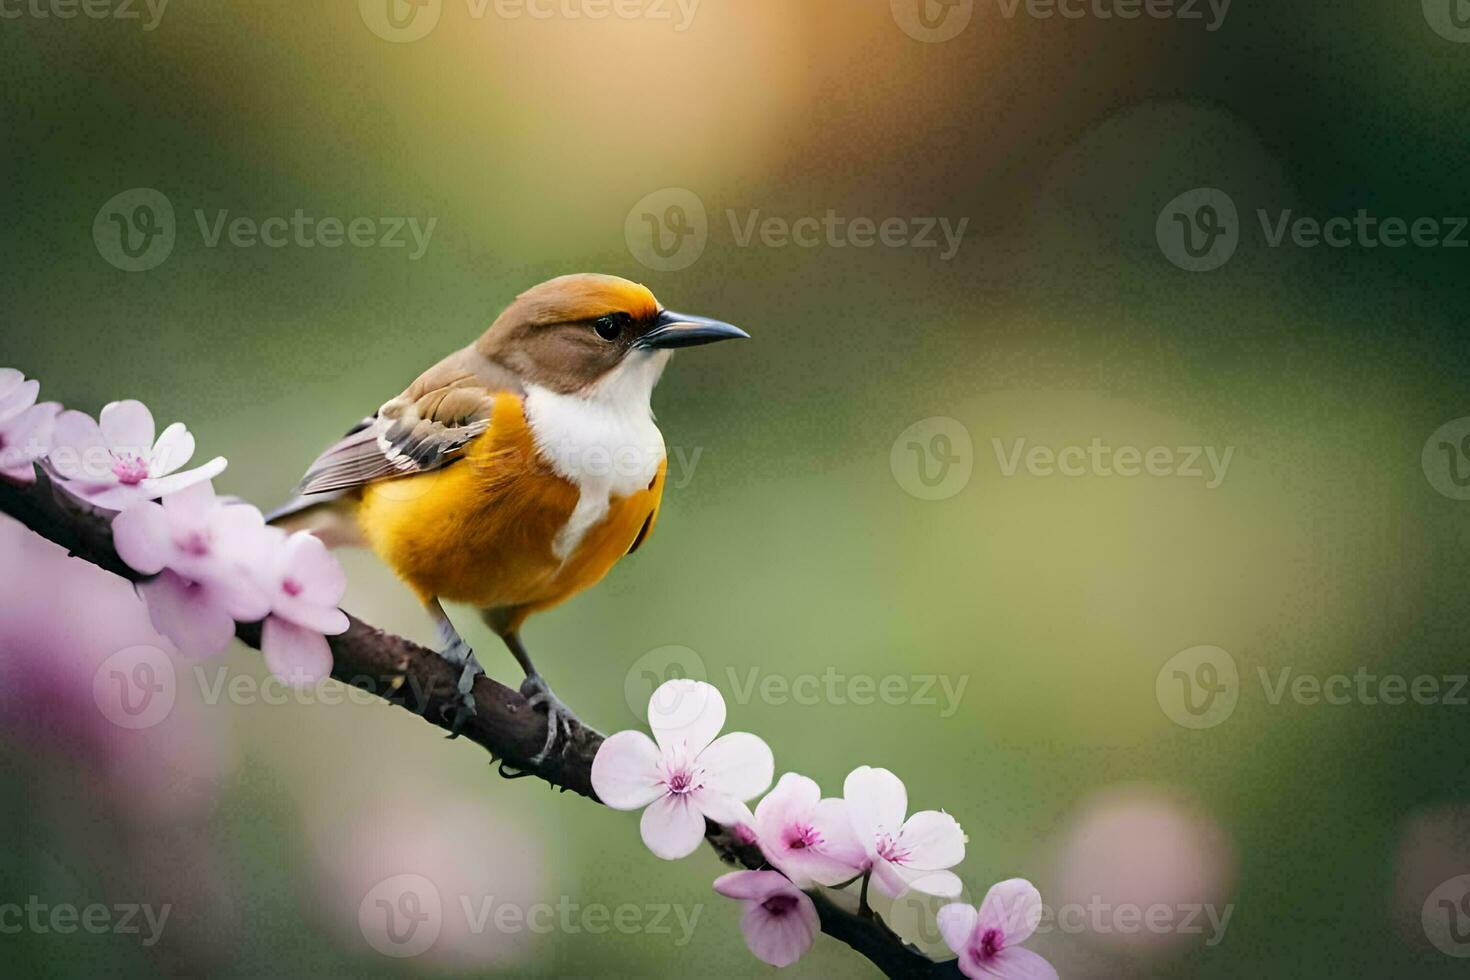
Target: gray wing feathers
423	429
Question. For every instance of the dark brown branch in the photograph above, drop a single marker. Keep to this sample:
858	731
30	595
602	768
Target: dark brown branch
419	680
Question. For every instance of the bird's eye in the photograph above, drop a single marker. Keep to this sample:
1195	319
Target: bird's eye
610	327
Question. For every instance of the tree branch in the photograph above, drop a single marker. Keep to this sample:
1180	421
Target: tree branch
419	680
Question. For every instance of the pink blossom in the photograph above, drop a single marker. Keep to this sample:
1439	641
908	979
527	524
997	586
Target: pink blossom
198	548
688	775
988	939
902	853
305	584
116	462
25	427
807	837
780	922
16	393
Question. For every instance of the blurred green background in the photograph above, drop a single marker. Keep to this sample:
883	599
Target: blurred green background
793	545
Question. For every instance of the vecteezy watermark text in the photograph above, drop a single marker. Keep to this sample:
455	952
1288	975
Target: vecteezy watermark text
403	916
65	919
1181	10
668	230
935	21
1200	230
830	686
135	231
837	688
402	21
128	10
1098	458
1201	686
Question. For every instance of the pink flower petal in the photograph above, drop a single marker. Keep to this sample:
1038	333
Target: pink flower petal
114	496
239	533
196	502
162	486
671	827
625	771
890	878
188	614
174	448
957	925
795	804
686	714
26	438
298	656
971	966
934	841
78	452
18	398
832	820
10	379
141	536
309	584
876	801
780	940
1014	907
795	796
313	566
739	764
127	427
941	884
241	595
751	885
1017	963
723	809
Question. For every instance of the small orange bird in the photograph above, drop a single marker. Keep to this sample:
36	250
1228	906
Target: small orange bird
516	472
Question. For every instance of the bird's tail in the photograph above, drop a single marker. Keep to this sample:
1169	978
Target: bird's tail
330	516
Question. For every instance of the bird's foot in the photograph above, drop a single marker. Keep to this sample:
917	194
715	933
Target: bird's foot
559	717
460	655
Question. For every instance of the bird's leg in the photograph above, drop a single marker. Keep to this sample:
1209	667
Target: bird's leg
537	692
454	649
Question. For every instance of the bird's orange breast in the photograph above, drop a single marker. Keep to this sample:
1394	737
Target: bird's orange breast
483	530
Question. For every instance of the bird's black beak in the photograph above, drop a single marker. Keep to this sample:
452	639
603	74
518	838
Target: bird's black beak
685	330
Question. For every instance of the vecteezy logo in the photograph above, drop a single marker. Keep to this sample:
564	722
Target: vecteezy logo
1446	917
401	916
933	458
932	21
400	21
1198	687
649	671
135	687
135	230
1446	459
1199	230
1450	19
667	230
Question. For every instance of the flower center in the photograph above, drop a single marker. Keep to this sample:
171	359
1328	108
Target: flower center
683	781
890	850
291	587
800	837
195	543
991	943
779	905
129	469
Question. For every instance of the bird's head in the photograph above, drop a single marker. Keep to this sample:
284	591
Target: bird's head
575	332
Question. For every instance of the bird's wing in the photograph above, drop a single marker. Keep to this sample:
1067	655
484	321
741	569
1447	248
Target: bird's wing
423	429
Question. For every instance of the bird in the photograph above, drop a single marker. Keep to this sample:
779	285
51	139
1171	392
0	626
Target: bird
516	471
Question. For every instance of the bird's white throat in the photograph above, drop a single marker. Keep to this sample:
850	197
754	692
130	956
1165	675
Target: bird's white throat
603	440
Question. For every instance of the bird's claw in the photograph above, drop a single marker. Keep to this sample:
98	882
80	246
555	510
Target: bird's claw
459	654
559	717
